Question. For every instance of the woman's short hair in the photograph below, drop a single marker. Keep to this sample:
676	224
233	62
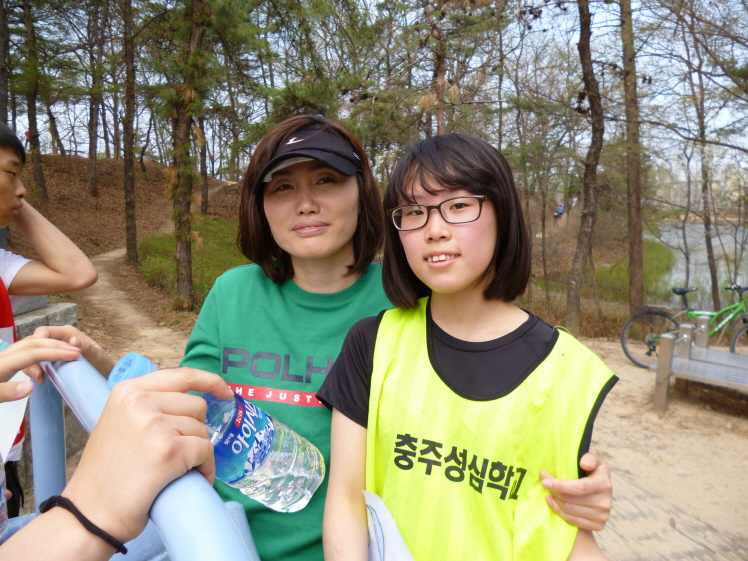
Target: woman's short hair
255	239
458	161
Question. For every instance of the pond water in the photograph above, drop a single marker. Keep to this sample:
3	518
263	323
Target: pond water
725	250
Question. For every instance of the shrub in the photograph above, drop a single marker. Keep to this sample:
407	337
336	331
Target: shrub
214	251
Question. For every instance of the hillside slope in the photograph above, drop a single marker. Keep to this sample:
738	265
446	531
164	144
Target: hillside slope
96	224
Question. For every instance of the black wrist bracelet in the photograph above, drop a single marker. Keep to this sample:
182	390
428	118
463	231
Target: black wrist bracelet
59	500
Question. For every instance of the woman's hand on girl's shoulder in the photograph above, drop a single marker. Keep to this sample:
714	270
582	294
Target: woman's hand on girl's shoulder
585	502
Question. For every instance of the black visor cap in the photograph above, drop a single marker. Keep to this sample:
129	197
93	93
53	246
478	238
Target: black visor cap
321	145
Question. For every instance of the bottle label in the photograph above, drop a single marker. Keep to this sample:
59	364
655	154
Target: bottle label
245	444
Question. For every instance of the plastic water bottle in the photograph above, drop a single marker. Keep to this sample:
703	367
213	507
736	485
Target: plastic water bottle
262	457
3	502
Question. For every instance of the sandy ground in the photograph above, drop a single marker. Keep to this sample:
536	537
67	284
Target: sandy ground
680	490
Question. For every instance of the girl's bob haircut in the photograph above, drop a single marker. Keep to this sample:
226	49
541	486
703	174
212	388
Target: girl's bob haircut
458	161
255	240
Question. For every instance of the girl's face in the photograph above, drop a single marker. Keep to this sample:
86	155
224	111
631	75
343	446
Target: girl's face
450	258
313	212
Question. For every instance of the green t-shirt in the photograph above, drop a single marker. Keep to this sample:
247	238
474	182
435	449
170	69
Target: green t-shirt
275	345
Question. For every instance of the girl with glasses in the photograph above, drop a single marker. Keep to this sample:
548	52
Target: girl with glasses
456	405
311	222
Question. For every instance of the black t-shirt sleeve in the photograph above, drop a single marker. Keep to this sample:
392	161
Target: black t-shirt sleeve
347	385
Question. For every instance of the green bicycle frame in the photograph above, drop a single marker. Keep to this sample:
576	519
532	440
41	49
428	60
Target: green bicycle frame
730	313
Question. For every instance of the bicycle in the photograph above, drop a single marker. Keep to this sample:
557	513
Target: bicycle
641	333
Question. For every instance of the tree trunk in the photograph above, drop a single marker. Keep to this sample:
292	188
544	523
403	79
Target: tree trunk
686	251
543	252
698	92
439	78
187	105
590	188
116	138
159	144
57	146
212	152
203	166
707	217
105	130
519	123
96	97
32	63
500	115
144	148
440	82
236	132
633	161
131	239
4	62
530	291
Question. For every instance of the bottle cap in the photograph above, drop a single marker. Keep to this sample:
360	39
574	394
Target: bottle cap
130	366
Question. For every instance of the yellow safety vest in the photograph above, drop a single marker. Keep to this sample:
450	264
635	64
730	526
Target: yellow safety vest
461	477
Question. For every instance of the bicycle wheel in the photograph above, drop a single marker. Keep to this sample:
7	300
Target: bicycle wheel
641	335
739	342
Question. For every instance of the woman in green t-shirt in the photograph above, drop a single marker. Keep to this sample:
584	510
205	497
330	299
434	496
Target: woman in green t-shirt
311	221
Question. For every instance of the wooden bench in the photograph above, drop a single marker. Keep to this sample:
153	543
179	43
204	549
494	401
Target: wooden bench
683	364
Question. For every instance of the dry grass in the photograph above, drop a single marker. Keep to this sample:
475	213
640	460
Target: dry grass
603	319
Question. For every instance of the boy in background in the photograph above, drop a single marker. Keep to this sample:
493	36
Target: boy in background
62	268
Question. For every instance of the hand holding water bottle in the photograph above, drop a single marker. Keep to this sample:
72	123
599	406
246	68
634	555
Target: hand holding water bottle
255	453
150	432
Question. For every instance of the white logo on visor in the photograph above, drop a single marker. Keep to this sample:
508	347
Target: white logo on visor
294	140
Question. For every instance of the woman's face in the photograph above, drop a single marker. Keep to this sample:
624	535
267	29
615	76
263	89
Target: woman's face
313	212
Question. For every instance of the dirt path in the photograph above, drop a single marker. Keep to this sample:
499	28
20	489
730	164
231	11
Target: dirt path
137	331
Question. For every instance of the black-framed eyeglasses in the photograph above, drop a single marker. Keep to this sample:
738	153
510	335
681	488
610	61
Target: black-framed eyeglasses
457	210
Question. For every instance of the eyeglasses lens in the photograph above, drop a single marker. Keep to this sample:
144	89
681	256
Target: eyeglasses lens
455	211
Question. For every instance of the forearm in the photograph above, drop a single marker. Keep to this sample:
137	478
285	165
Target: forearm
68	267
55	535
345	534
586	548
344	530
93	353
